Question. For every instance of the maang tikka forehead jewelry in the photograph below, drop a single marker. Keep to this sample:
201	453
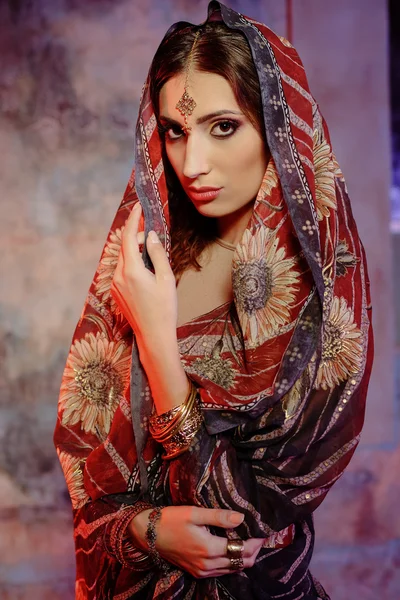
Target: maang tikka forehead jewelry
186	104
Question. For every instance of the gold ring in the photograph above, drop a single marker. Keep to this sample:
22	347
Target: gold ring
234	549
236	563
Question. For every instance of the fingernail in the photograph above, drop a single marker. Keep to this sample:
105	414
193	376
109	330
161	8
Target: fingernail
236	518
154	237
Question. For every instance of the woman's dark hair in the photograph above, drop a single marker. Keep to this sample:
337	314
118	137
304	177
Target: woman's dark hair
224	52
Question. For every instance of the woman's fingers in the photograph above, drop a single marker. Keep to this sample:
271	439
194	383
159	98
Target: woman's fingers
184	540
215	567
140	238
129	248
130	245
158	256
224	563
132	238
219	549
216	517
253	546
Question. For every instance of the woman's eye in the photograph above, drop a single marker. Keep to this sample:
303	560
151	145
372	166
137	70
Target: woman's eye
174	133
224	128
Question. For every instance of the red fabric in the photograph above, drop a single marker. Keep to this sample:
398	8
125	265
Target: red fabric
282	373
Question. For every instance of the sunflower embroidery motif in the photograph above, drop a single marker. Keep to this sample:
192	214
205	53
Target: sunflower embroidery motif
107	268
338	171
325	193
71	466
269	182
95	377
215	368
342	347
264	286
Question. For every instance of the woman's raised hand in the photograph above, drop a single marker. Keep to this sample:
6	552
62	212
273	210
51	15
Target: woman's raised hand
184	540
148	300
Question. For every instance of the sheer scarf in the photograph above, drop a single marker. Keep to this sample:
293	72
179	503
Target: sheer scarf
282	378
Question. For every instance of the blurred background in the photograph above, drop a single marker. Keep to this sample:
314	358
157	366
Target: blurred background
71	73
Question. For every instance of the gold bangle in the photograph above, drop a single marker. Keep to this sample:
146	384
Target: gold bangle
162	423
177	428
162	433
180	442
179	422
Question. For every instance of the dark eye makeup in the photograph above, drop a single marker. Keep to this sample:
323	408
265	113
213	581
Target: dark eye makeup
226	127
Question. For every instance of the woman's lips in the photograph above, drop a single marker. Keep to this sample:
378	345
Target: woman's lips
203	194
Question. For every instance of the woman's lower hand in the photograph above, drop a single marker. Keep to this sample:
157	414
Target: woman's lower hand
184	540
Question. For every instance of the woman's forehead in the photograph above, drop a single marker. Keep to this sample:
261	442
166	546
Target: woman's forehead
211	92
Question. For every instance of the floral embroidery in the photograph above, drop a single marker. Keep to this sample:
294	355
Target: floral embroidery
344	258
342	348
264	285
72	468
94	380
107	268
273	287
215	368
269	182
336	168
325	193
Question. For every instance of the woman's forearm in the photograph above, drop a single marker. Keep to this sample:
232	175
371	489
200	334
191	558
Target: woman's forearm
167	379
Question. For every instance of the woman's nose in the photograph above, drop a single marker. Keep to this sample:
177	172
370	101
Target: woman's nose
196	161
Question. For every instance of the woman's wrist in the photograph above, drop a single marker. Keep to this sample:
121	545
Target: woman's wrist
118	541
137	529
176	429
143	533
167	378
158	345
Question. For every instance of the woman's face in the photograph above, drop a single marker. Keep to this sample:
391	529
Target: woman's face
222	151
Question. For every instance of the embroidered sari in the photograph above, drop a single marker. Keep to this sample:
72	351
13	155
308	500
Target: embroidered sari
282	370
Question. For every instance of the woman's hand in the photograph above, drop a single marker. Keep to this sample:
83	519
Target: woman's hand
183	539
148	301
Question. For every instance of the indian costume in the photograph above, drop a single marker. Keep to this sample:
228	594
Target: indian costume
282	370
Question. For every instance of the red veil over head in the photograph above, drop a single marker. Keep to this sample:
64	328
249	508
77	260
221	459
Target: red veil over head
282	372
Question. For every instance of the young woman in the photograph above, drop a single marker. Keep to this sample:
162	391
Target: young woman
216	382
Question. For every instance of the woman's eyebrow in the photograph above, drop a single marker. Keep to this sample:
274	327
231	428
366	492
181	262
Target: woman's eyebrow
203	119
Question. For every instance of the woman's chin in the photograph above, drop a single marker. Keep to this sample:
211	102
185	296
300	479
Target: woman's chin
207	209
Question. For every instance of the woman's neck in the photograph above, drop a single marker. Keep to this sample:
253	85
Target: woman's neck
231	227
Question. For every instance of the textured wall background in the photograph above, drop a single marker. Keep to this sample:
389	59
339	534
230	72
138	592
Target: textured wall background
70	78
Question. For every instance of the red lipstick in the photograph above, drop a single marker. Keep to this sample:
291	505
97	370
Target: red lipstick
204	193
